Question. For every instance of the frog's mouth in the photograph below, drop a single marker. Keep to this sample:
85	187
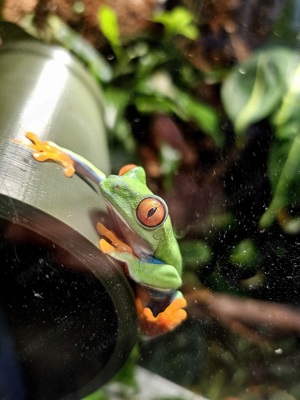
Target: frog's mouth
140	248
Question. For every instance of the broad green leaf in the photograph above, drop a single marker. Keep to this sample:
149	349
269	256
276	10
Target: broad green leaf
254	90
284	173
285	27
287	118
290	129
268	85
178	21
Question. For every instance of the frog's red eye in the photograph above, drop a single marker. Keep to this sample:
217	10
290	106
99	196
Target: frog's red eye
151	212
126	168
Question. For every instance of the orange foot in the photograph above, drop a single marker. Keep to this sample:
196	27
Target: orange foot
114	244
49	151
165	321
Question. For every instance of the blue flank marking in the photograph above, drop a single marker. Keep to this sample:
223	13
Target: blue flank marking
153	260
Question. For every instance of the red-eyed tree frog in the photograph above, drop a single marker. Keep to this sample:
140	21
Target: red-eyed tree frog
151	254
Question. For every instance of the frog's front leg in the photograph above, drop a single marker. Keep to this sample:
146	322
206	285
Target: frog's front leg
44	150
71	162
115	242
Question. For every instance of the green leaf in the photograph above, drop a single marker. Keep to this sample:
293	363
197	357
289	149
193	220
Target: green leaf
195	253
191	109
71	40
287	118
291	225
58	31
108	23
218	282
284	173
116	101
290	129
97	395
167	98
254	90
169	162
244	253
268	85
153	103
126	375
178	21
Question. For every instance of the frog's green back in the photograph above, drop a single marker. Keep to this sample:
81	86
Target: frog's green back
168	249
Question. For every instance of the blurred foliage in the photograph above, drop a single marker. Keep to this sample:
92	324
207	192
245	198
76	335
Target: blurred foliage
148	74
234	177
268	86
110	28
177	21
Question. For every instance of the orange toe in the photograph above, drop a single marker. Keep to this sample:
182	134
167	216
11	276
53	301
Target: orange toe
106	247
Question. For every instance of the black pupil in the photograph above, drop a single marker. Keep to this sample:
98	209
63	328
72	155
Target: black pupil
151	212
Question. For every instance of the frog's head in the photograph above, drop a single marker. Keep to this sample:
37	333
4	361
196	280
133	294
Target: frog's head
142	217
